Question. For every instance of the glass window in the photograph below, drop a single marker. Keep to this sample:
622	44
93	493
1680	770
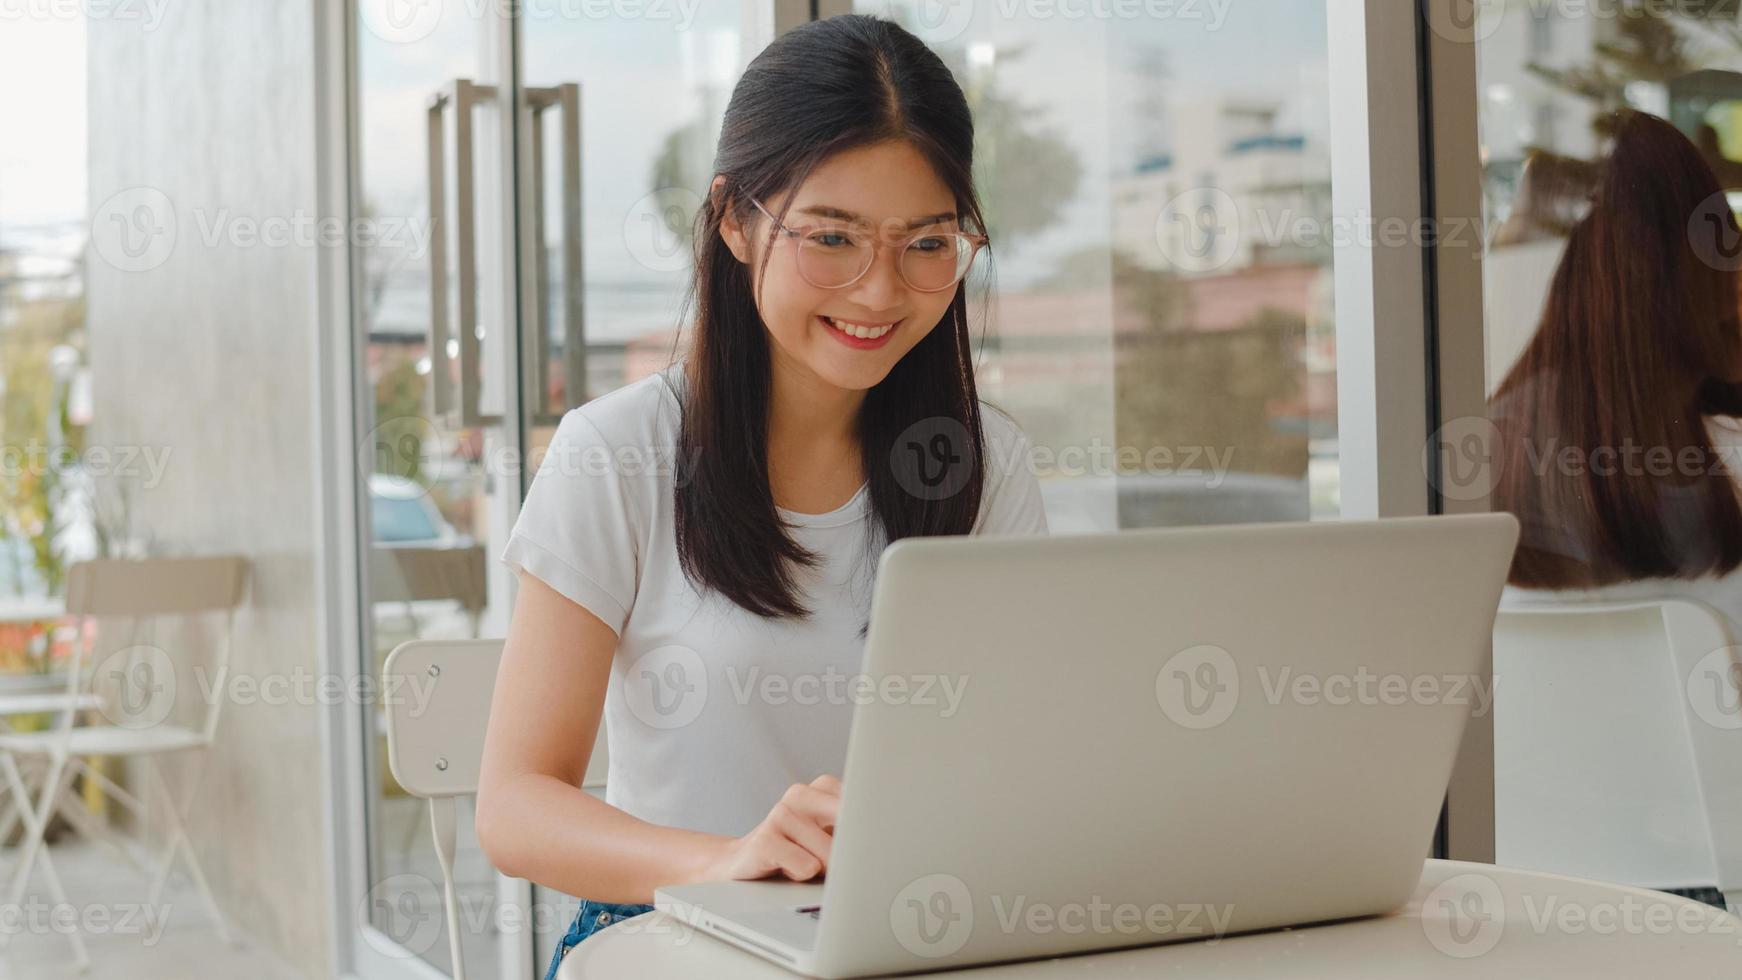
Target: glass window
1612	344
56	505
1161	319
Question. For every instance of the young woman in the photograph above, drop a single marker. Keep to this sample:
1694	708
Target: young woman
695	553
1619	449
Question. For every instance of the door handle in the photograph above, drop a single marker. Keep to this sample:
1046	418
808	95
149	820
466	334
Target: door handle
461	344
566	101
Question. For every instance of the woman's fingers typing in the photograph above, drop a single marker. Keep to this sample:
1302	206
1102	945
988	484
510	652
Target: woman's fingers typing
794	839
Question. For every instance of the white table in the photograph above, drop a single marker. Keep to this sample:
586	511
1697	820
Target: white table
1466	920
30	609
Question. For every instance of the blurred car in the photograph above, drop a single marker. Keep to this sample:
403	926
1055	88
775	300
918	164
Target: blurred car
426	579
402	514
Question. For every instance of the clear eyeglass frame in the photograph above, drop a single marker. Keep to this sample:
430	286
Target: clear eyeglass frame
967	247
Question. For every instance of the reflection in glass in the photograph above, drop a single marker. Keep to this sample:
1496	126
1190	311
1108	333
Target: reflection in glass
1157	190
1612	148
424	483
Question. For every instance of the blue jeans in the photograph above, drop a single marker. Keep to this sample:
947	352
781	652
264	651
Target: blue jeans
590	918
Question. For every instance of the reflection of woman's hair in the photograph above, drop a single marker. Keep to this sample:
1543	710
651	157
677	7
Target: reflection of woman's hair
1603	453
1554	193
819	89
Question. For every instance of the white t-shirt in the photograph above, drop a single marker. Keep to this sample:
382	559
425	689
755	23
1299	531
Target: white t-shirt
711	711
1721	593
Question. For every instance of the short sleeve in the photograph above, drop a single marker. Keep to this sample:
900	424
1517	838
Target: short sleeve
1012	504
577	528
1726	437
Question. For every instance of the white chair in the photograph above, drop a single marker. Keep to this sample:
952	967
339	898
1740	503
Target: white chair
55	701
1618	743
409	575
435	753
138	718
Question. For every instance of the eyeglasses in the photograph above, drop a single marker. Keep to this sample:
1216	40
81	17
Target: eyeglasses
832	257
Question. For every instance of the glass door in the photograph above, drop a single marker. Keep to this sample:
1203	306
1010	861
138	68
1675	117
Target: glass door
433	309
546	165
640	102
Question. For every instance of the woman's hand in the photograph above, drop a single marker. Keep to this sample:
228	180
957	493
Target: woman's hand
793	840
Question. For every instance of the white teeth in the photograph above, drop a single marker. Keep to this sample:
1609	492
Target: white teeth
863	333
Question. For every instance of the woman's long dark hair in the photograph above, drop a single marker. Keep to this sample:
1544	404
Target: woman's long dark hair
1640	339
821	88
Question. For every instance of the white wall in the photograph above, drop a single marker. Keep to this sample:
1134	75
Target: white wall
207	354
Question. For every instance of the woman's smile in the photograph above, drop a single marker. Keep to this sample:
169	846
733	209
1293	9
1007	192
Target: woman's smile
860	334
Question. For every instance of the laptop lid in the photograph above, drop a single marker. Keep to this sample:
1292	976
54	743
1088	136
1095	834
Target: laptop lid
1097	741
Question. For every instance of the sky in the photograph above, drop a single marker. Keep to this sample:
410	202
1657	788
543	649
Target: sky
1270	49
42	121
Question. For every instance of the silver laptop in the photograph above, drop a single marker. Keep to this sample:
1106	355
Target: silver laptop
1158	735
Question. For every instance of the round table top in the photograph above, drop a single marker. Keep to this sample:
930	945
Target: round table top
1465	920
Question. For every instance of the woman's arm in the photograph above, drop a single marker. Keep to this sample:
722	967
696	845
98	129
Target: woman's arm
533	819
535	822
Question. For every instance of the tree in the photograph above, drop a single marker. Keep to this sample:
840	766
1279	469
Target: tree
36	430
1180	388
1653	42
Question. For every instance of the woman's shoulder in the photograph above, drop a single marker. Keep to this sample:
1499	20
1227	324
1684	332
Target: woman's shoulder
1726	435
1725	430
1005	442
630	431
999	427
640	413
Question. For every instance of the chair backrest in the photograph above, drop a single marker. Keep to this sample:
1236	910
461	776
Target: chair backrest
155	586
437	701
144	589
1618	743
400	574
436	694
